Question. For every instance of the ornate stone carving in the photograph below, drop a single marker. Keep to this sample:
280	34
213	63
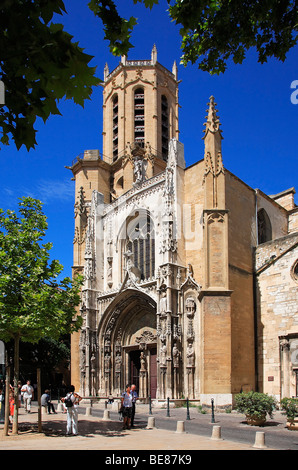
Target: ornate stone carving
143	362
145	338
176	356
140	166
190	355
163	355
190	307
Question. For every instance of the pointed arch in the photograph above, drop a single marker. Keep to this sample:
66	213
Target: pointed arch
264	227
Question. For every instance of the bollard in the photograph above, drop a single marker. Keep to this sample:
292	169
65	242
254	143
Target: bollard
260	440
168	408
187	410
216	433
212	411
151	423
180	426
88	411
150	405
60	407
106	415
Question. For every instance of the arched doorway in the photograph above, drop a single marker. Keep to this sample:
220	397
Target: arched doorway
128	352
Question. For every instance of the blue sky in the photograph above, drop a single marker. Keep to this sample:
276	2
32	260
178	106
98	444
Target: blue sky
259	121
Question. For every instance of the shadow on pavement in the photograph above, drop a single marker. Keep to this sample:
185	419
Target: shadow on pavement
87	428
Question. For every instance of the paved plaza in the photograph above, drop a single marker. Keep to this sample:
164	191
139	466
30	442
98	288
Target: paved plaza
97	433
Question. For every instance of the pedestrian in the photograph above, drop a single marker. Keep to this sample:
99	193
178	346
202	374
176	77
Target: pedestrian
46	401
28	394
134	397
126	404
19	392
11	406
71	402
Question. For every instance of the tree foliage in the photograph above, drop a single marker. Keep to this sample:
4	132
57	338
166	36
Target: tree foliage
39	65
33	304
214	31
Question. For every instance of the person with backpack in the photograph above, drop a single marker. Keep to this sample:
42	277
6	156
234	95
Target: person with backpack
71	402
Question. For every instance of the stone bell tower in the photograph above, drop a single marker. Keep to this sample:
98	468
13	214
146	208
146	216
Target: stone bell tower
140	117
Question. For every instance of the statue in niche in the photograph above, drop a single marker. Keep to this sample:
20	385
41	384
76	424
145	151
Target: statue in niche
190	356
163	354
139	169
107	361
176	355
163	302
93	360
134	274
118	363
143	362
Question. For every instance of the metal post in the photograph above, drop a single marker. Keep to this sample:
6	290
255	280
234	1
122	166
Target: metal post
168	408
212	411
150	407
187	409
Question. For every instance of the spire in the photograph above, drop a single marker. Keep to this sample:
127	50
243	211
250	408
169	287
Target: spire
213	123
175	70
106	72
154	55
214	170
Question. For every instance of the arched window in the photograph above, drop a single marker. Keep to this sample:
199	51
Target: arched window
140	241
294	271
264	227
139	117
164	126
115	127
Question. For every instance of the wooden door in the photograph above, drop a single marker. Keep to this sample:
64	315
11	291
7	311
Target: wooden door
135	366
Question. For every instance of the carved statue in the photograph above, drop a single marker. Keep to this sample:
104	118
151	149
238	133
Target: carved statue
143	362
176	355
163	355
163	302
107	361
139	169
190	356
118	363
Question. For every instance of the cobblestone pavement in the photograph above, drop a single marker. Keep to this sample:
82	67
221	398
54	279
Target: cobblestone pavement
95	433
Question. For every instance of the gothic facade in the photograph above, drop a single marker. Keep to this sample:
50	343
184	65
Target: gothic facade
175	258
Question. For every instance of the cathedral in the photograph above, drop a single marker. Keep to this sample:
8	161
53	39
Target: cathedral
190	275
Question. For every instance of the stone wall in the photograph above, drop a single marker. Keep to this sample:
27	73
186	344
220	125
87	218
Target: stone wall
277	294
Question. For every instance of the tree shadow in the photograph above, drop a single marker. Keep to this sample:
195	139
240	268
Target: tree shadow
86	428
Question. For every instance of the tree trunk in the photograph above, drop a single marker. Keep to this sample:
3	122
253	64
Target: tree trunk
15	423
7	383
39	400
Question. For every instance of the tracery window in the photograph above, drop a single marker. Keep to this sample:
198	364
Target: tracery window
140	241
294	271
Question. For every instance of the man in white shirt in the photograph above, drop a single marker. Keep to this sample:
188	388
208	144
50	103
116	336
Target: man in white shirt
27	390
